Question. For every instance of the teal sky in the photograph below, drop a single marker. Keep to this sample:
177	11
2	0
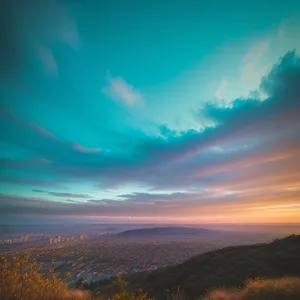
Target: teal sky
117	109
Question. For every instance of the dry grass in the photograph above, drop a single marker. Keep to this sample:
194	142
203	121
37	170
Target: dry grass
21	279
122	294
287	288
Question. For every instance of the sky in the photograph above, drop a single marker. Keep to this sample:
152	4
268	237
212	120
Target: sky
150	111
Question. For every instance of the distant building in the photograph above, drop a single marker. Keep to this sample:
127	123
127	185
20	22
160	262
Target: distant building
57	239
51	241
24	239
82	237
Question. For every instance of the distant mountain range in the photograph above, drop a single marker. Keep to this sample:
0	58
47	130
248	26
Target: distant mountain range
227	267
162	231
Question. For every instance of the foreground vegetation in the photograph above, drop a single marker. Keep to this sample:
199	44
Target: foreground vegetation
21	278
287	288
228	267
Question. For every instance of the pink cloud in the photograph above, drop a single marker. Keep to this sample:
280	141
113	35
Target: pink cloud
122	91
80	148
43	131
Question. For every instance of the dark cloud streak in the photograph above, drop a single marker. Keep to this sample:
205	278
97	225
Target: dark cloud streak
57	194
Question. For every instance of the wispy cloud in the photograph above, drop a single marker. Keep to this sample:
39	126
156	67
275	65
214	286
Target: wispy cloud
21	180
281	30
47	140
221	89
118	89
80	148
69	33
42	131
48	60
252	61
58	194
201	206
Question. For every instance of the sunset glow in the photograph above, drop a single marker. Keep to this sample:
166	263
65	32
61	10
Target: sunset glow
117	120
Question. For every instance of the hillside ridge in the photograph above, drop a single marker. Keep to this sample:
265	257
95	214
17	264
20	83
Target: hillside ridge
226	267
154	231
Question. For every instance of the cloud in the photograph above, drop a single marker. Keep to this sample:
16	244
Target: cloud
252	62
23	163
21	180
249	158
69	33
43	131
281	30
57	194
32	136
221	89
249	132
167	207
80	148
24	24
122	91
72	201
48	60
261	126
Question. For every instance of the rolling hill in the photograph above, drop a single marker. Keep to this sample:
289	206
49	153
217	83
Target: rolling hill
227	267
162	231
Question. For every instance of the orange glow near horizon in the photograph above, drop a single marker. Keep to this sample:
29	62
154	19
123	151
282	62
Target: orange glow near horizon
256	215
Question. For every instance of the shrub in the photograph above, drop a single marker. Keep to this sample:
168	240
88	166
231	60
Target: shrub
287	288
122	294
21	279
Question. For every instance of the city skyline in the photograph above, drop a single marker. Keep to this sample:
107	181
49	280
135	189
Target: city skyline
173	112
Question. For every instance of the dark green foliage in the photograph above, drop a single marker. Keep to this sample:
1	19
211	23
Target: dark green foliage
228	267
